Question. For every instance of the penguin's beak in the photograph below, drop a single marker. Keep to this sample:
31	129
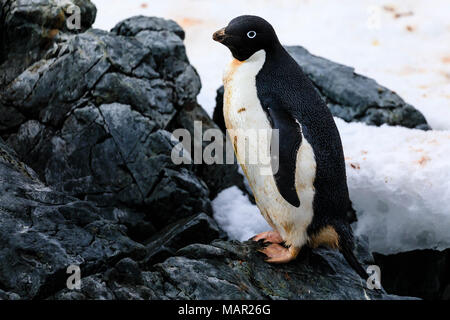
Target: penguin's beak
220	35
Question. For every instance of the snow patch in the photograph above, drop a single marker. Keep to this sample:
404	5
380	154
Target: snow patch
399	183
237	216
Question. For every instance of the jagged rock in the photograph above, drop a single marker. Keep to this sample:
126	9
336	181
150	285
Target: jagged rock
155	33
8	295
218	117
135	25
198	229
217	176
101	132
29	27
350	96
230	270
43	231
91	117
125	281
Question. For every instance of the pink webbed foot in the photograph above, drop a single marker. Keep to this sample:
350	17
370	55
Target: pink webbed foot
278	254
268	236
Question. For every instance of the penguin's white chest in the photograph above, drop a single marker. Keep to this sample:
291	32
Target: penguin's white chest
243	113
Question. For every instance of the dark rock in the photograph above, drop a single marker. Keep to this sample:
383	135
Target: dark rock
100	132
218	110
354	97
43	231
217	176
124	281
420	273
92	288
135	25
91	118
350	96
30	27
198	229
126	270
8	295
231	270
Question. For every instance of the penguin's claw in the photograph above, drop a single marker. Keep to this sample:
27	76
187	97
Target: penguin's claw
279	254
268	236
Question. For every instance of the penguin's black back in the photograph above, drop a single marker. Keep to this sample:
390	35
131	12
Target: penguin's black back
283	88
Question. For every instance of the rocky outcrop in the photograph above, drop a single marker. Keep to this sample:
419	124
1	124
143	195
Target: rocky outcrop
350	96
228	270
43	231
217	177
29	28
92	116
89	114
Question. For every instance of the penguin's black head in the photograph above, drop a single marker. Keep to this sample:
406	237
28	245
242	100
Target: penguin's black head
246	35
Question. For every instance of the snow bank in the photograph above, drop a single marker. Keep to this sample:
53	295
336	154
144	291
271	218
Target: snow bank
237	216
399	182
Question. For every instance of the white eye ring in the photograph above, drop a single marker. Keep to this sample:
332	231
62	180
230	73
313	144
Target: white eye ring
251	34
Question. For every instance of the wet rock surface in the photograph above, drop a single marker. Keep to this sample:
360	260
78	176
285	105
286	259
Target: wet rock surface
86	176
350	96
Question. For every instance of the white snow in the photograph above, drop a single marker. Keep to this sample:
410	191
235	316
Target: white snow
399	183
237	216
399	179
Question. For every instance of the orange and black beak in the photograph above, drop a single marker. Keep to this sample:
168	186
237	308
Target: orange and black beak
220	35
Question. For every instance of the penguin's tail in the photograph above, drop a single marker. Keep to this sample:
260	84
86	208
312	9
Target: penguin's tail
346	246
353	262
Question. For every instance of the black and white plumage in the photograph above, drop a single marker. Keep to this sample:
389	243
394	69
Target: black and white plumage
306	200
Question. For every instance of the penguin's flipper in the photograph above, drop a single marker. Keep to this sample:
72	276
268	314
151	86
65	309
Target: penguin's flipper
289	141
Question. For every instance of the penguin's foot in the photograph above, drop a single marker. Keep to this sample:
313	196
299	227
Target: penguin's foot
278	254
268	236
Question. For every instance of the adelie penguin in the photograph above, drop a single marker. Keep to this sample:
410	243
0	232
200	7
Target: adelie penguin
306	200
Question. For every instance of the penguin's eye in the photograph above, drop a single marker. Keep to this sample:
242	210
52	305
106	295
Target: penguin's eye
251	34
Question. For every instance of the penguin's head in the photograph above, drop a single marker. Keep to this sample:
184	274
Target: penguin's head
246	35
